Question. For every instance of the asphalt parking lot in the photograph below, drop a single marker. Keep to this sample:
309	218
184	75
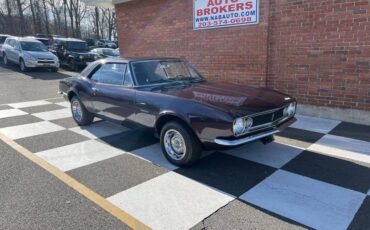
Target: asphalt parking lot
314	175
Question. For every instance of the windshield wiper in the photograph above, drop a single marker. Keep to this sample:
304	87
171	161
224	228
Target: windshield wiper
191	79
160	81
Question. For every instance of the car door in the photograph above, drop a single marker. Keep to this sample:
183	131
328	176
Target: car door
113	97
10	50
16	51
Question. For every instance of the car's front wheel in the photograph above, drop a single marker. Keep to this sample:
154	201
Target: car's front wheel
179	144
54	69
5	59
22	66
79	113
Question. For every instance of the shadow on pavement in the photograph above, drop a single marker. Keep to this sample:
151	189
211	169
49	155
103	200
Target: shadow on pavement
40	73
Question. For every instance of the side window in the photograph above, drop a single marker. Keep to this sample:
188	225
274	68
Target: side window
17	45
11	42
111	73
128	78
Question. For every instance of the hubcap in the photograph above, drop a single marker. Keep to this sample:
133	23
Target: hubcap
5	60
76	110
22	65
174	144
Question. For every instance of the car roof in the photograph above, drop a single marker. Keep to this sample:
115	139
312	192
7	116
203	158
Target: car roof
100	48
5	35
24	39
69	39
126	60
37	38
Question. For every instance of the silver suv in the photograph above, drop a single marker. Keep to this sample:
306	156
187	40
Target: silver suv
28	53
105	44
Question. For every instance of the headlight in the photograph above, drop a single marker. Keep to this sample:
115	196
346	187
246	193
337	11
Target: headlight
81	57
29	57
239	126
290	110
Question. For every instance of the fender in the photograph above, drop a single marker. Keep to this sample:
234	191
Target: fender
70	91
173	114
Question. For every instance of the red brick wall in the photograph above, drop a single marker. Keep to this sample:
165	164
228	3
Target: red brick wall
316	50
165	28
320	51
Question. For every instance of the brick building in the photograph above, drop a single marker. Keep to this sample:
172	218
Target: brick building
315	50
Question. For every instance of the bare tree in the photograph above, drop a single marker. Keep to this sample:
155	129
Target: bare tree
97	23
9	16
57	7
79	10
46	17
110	21
65	17
21	16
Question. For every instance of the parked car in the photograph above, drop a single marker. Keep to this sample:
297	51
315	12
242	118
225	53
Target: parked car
187	112
105	43
73	53
28	53
46	41
91	42
55	36
3	37
116	42
42	35
105	52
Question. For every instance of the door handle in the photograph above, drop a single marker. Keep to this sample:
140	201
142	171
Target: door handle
142	103
94	90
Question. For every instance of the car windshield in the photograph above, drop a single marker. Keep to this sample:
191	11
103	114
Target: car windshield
33	46
152	72
110	52
79	46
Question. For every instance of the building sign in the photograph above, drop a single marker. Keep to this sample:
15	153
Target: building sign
224	13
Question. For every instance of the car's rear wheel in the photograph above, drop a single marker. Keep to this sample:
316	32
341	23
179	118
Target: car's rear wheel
179	144
5	59
79	113
22	66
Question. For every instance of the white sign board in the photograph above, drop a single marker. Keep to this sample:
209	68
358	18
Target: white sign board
224	13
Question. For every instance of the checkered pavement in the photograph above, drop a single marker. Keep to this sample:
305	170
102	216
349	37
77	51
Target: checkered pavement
316	174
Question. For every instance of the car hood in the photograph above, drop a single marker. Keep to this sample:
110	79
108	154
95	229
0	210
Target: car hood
238	100
84	53
40	54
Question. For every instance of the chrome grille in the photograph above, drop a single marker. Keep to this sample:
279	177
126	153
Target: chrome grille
45	61
268	117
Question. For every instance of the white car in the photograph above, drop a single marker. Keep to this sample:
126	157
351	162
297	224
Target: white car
105	44
28	53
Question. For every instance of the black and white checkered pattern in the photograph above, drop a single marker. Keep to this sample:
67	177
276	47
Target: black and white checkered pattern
315	174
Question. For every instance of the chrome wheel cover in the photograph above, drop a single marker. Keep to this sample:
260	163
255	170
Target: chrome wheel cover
174	144
22	66
76	110
5	59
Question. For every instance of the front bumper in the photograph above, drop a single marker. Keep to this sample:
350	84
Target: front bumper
275	129
36	64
